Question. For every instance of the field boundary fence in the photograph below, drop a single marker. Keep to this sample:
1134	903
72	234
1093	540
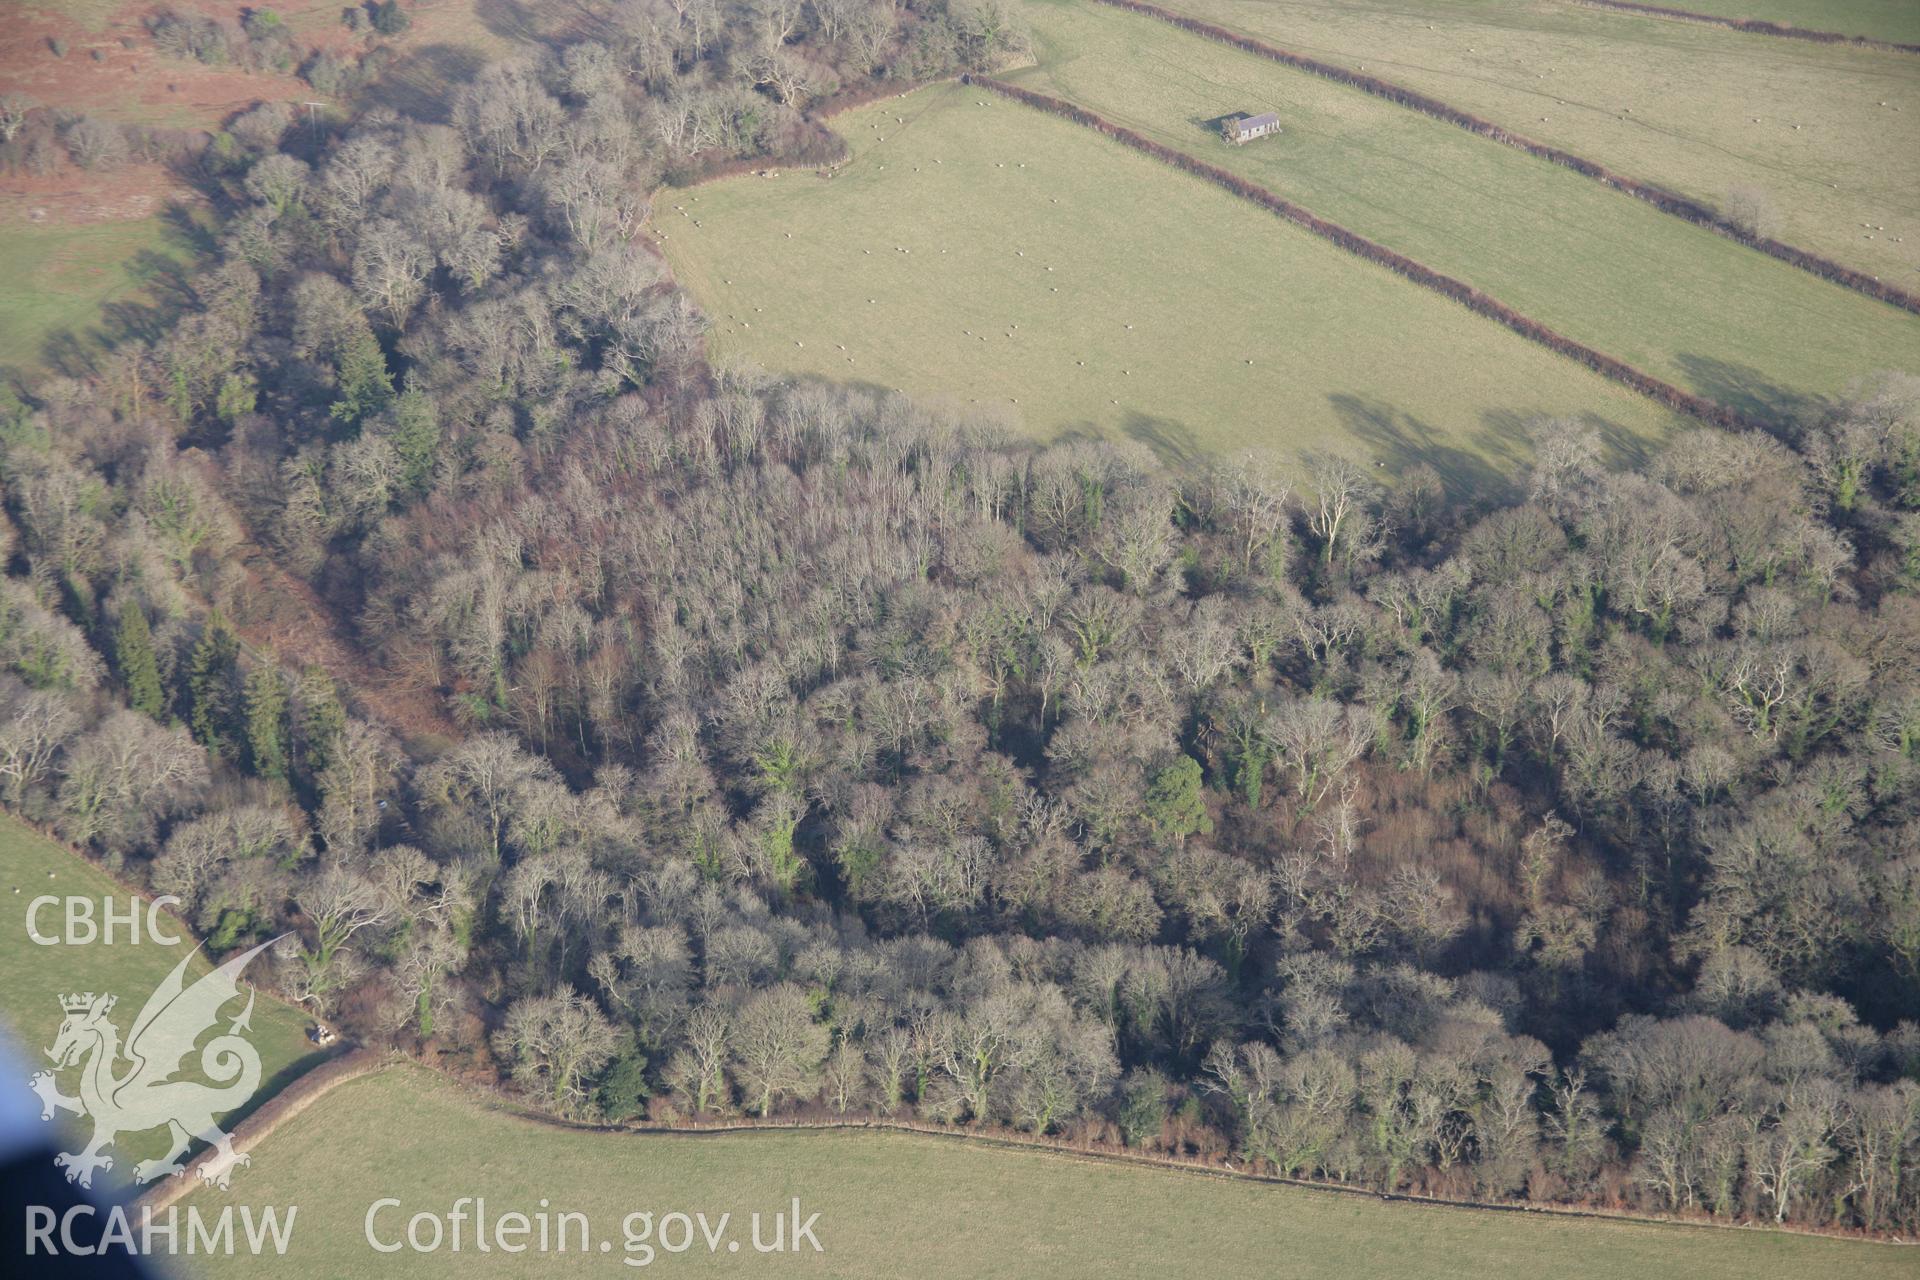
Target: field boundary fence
1459	291
1753	26
1668	202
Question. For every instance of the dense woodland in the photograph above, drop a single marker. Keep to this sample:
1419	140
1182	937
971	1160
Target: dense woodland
798	748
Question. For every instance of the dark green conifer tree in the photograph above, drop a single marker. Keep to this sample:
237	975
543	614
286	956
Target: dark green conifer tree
267	722
213	679
139	667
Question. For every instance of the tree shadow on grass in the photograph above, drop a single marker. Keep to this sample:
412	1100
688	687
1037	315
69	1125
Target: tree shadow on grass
274	1085
165	282
166	292
64	352
1625	450
1400	441
1748	391
186	229
1172	441
1495	459
508	19
548	22
422	84
1506	440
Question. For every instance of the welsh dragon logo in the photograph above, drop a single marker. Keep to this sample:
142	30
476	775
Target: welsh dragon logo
131	1088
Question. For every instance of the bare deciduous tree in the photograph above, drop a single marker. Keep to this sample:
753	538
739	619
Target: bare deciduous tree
556	1042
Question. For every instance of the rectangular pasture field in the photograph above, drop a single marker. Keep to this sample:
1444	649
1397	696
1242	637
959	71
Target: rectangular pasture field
1895	21
993	251
1675	300
955	1209
1701	110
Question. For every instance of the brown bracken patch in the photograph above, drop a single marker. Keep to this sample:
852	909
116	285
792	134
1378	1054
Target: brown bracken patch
73	197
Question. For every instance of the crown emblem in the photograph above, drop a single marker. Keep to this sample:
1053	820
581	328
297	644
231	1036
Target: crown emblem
81	1003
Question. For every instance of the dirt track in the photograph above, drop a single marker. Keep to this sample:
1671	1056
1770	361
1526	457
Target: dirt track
283	1106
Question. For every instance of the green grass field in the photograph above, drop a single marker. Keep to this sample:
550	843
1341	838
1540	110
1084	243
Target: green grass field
998	253
1698	108
1615	273
901	1204
1894	20
57	280
34	977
